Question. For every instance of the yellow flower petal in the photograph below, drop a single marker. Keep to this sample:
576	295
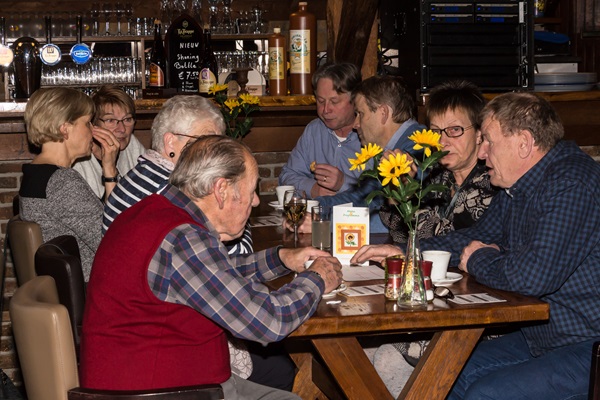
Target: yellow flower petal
232	103
214	89
249	99
366	153
393	167
426	139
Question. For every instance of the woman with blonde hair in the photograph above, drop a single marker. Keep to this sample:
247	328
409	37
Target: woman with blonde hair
52	194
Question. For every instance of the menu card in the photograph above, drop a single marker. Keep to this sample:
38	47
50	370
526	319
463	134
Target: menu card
350	230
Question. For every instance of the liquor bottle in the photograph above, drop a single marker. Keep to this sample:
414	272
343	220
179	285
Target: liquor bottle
277	64
303	50
158	62
208	67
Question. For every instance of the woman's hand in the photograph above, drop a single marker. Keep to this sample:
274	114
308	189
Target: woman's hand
375	252
109	150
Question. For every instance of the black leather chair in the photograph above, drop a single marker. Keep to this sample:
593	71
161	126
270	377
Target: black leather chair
60	259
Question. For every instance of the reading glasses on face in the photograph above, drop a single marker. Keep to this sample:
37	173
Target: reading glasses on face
452	131
113	122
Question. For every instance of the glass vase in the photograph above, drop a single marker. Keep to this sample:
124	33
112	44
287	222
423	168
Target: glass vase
412	290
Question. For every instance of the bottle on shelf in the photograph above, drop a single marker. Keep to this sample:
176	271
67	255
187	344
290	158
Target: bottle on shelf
303	50
208	66
277	64
158	61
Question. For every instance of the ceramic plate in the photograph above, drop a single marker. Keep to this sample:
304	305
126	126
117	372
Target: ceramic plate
339	289
275	204
451	277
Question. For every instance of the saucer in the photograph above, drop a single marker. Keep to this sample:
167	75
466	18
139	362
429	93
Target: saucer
451	277
331	294
275	204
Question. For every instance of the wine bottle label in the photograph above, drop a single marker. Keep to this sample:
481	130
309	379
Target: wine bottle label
157	76
276	67
207	79
300	51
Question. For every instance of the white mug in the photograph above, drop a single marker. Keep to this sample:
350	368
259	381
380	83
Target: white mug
440	260
280	190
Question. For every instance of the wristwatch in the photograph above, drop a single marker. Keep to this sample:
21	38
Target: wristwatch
114	179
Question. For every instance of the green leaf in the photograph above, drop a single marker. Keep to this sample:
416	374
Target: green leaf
372	195
432	159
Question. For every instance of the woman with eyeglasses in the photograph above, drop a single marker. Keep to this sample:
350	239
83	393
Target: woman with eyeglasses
453	112
53	194
115	112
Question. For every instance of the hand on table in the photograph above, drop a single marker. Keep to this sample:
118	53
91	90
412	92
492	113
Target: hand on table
470	249
294	259
330	270
375	252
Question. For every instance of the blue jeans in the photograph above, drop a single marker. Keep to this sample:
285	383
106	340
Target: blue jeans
503	368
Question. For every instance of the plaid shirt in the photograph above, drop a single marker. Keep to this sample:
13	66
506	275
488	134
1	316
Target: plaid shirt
192	267
547	226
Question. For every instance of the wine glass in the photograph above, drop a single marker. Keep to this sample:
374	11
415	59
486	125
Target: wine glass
95	14
107	8
129	16
294	206
119	11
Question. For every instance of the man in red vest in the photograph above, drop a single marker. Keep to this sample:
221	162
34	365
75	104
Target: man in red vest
163	291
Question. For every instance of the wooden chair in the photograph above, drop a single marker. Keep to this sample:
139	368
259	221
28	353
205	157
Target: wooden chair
24	238
46	350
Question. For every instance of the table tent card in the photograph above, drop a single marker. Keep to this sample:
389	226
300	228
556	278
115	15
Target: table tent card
350	230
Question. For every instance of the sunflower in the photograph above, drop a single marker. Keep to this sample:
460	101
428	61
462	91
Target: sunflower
393	167
232	104
249	99
366	153
216	88
426	139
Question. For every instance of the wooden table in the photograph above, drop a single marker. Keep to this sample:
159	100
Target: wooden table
334	330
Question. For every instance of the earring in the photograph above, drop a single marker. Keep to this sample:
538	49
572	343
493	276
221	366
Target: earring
171	154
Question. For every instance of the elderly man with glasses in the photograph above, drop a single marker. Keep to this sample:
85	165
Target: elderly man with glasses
115	111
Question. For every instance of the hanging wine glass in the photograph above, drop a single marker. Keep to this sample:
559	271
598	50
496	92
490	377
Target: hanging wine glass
214	15
129	16
107	8
119	10
95	14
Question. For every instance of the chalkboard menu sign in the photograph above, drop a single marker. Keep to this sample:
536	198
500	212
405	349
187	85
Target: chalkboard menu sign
184	45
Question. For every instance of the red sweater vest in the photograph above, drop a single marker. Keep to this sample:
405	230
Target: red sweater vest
132	340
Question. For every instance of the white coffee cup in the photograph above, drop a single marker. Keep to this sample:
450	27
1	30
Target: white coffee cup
308	263
440	260
310	204
280	190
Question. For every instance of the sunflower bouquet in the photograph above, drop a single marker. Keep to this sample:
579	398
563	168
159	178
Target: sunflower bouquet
392	170
232	110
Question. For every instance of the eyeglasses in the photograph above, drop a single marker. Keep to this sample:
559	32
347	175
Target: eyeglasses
187	136
452	131
442	292
112	123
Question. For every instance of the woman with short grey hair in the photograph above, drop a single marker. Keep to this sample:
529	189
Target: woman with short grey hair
181	120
